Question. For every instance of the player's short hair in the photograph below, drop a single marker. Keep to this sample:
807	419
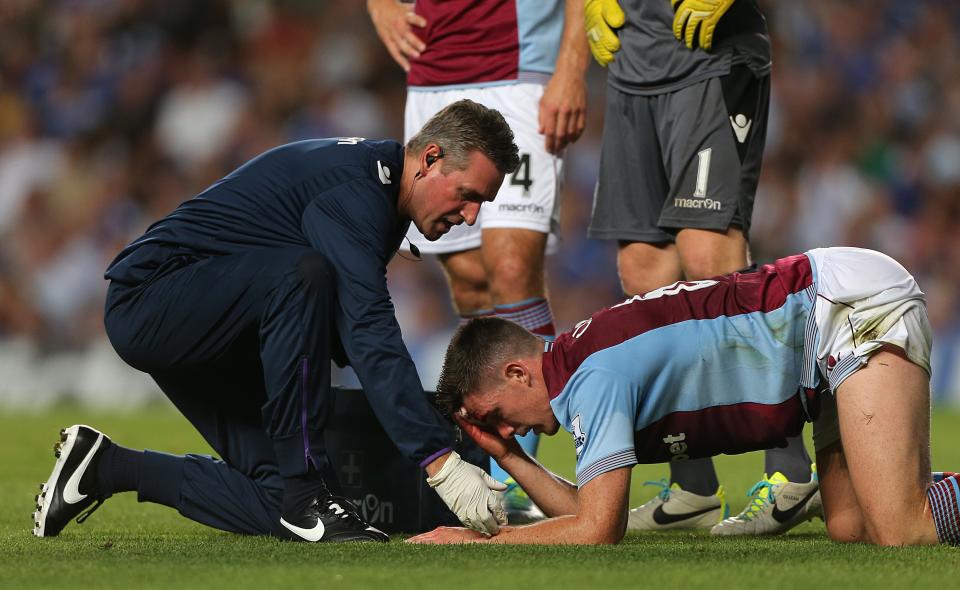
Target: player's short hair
475	356
464	127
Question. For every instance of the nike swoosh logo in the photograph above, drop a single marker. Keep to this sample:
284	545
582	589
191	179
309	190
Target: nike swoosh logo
312	534
71	491
783	516
661	516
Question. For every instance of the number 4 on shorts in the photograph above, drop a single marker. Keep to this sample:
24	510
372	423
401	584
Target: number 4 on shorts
521	175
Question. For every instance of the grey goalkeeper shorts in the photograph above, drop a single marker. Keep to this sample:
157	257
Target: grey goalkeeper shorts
684	159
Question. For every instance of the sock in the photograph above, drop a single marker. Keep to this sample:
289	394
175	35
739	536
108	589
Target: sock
118	469
944	497
695	475
299	491
533	314
792	461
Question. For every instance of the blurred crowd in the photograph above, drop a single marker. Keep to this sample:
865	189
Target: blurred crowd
112	112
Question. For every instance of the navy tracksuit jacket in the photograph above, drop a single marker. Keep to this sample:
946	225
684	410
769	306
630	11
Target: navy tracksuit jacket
236	302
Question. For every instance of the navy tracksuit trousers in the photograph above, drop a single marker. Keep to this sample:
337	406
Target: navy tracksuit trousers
241	344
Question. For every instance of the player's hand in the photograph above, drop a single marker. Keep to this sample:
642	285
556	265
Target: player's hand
563	110
394	21
600	18
470	492
446	535
691	13
489	441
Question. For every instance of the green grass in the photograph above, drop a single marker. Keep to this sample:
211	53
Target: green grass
126	544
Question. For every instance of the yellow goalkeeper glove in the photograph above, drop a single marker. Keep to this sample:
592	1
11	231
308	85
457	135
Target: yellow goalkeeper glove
600	17
690	13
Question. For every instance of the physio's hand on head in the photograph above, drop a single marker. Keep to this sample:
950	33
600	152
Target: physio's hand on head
446	535
688	14
394	21
600	18
470	493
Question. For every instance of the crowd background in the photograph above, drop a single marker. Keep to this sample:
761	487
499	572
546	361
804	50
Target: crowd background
112	112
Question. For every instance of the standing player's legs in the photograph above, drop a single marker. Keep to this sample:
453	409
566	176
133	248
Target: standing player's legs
497	265
712	136
632	187
676	189
514	263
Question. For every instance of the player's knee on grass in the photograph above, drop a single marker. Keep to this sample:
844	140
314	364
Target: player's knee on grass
846	527
841	511
896	533
909	527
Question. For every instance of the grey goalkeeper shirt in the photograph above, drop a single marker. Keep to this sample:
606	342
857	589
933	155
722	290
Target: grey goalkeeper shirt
652	61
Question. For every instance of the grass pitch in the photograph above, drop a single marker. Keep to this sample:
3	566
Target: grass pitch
126	544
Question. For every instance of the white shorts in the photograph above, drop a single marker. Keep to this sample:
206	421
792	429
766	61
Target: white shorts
529	198
864	300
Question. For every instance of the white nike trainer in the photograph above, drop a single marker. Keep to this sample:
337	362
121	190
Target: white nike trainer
68	492
776	506
676	508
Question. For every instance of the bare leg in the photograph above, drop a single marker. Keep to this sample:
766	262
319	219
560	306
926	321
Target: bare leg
513	260
644	267
707	253
841	511
467	280
884	412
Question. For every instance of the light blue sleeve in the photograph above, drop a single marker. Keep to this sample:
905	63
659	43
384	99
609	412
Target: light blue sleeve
602	406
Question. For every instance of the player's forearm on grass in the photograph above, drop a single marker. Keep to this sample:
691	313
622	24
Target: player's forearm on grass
562	530
552	493
601	517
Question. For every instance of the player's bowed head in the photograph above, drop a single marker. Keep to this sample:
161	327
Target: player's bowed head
492	380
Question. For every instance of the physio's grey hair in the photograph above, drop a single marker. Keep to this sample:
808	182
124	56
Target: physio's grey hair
464	127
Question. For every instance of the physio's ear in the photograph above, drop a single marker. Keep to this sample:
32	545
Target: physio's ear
429	157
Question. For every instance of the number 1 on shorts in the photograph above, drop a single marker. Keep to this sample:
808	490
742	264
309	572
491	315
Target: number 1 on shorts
703	172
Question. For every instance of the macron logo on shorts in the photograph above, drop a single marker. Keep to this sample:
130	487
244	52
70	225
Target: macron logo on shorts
741	127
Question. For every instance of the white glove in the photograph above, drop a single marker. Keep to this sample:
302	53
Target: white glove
470	492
